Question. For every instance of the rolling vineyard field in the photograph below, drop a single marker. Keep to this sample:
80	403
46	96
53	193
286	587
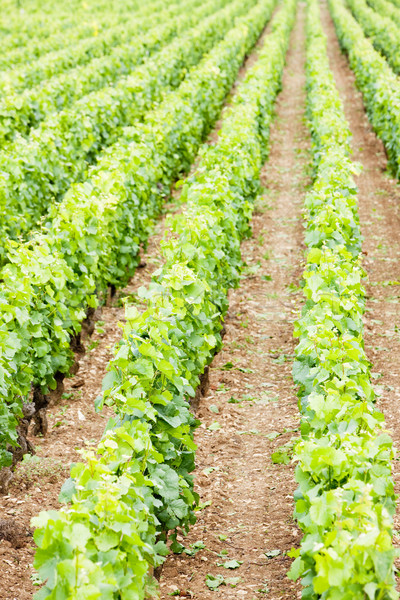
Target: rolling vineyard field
199	318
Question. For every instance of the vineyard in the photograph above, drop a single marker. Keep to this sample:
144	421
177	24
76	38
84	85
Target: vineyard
199	307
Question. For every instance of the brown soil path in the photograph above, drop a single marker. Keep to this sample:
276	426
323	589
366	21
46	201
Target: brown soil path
379	210
251	409
73	423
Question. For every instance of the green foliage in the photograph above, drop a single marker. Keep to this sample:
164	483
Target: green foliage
123	48
96	231
378	83
82	52
386	9
384	34
345	499
32	31
34	48
141	470
36	172
214	581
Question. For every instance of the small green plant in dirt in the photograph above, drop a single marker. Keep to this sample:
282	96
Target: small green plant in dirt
282	358
99	327
230	564
203	505
245	398
267	255
262	205
237	345
272	553
213	582
222	388
284	454
249	271
227	366
233	400
214	426
267	397
34	469
250	432
59	420
293	288
195	548
93	345
208	470
245	323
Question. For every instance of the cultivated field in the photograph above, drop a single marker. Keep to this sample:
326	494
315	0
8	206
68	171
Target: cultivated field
199	307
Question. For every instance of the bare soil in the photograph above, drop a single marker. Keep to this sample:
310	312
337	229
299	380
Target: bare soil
251	407
379	202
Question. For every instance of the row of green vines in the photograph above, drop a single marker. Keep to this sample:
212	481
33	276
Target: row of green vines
386	9
36	171
384	34
378	83
345	500
26	27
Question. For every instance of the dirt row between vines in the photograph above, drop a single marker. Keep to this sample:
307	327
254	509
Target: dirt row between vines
379	210
251	410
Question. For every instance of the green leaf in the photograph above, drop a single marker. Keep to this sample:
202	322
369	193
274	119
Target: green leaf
230	564
280	457
296	569
273	435
213	582
272	553
227	366
214	426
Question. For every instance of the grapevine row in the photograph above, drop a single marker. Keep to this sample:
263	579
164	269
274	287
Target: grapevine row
96	232
79	53
386	9
19	113
137	482
379	85
36	171
18	29
108	19
384	34
345	500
